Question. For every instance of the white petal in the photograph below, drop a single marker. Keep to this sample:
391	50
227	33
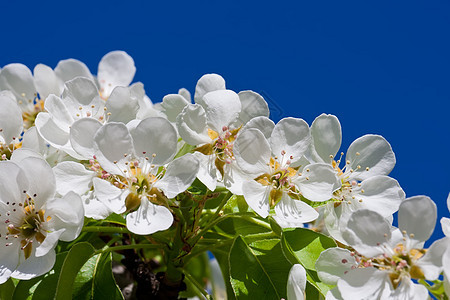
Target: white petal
116	68
82	134
111	142
252	152
9	256
185	93
234	177
59	112
35	266
110	195
365	283
155	136
292	136
381	193
51	239
326	137
122	105
12	182
208	83
18	79
417	215
41	180
46	81
68	69
22	153
407	290
179	175
257	197
67	213
252	105
333	263
50	131
293	213
72	176
446	260
10	120
207	172
80	91
191	124
431	262
318	182
263	124
366	231
445	224
375	153
149	218
334	294
173	105
222	108
296	284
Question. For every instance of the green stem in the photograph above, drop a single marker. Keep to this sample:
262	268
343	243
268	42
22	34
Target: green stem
126	247
173	272
105	229
197	285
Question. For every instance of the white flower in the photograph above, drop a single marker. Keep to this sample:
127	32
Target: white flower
142	176
10	125
385	258
275	178
32	219
71	121
212	125
296	284
364	183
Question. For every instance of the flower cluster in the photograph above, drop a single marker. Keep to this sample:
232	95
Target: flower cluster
77	147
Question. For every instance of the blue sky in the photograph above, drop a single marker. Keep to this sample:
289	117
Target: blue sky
381	67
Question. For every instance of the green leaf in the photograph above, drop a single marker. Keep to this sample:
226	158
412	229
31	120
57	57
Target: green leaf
199	269
42	287
116	219
304	246
75	259
222	255
236	204
95	280
259	270
186	148
7	290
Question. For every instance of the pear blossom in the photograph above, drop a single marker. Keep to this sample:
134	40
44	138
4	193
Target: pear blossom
385	258
364	180
141	173
212	124
275	178
32	218
11	125
71	121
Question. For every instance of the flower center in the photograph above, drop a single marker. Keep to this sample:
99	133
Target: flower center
29	117
25	223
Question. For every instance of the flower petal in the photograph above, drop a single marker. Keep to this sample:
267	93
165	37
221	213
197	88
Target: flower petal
72	176
179	175
417	215
252	152
252	105
11	121
263	124
380	193
149	218
173	105
208	83
111	142
365	283
366	232
296	284
82	134
116	68
431	262
207	172
333	263
326	137
122	105
18	79
35	266
110	195
155	136
370	155
46	81
292	136
222	108
257	197
185	93
191	124
68	69
317	182
293	213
